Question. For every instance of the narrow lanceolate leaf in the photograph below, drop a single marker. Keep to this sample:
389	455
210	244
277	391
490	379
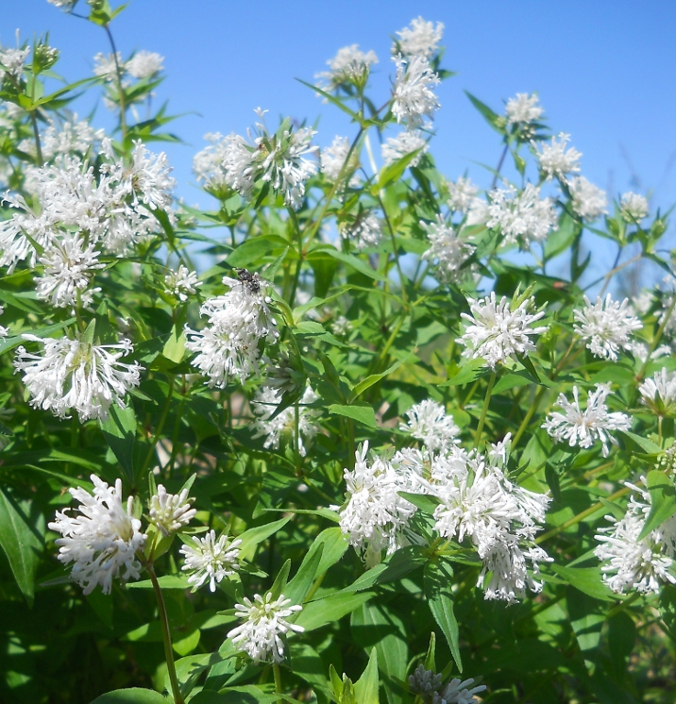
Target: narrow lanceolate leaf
299	586
438	593
663	498
20	542
366	687
119	429
133	695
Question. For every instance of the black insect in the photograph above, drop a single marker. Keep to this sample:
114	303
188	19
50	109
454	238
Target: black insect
251	281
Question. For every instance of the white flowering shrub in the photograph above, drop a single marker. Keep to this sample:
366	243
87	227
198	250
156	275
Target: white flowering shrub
390	442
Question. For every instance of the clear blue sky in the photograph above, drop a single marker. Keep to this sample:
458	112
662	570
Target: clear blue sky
604	71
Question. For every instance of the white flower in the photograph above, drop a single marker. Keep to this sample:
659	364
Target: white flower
420	38
496	333
264	623
375	515
208	164
555	160
68	269
607	326
462	194
210	559
499	518
633	207
285	167
584	428
181	283
170	512
75	374
147	179
349	65
3	330
62	3
427	421
144	64
404	143
364	232
102	540
333	158
629	562
341	326
264	406
523	109
589	202
238	321
523	216
447	250
412	95
105	67
13	61
641	351
457	692
659	393
73	136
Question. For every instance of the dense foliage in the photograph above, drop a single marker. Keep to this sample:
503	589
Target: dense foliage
392	444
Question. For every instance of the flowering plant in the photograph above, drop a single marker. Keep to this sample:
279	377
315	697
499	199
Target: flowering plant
392	435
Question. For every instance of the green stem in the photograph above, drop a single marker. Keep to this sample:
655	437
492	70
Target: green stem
580	517
278	679
166	637
36	132
484	410
120	90
160	428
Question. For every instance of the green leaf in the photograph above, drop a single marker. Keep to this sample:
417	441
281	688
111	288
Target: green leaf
492	118
646	445
167	581
335	545
394	171
362	414
279	585
470	372
299	586
437	590
318	613
372	379
20	543
586	579
663	500
361	266
250	538
119	429
174	347
425	502
133	695
366	687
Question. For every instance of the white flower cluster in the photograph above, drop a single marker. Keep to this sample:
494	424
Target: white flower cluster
633	207
170	512
404	143
237	322
350	65
476	501
143	64
632	563
523	109
659	393
333	158
420	38
412	97
73	136
181	283
364	232
521	216
462	194
13	61
447	250
73	374
264	405
555	160
210	559
496	333
584	428
80	215
277	159
260	636
102	541
589	202
606	325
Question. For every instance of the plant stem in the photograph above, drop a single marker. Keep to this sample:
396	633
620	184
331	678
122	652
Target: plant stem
499	166
166	636
36	132
160	427
484	410
120	91
278	679
580	517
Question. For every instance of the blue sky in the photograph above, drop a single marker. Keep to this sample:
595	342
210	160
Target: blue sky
604	71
